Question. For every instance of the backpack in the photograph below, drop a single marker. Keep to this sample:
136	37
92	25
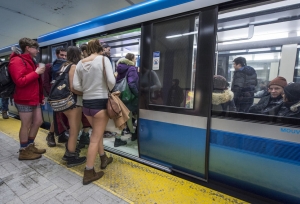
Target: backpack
61	97
7	86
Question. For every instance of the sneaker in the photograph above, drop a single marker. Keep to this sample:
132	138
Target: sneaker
119	142
32	148
25	154
50	140
63	138
84	138
73	159
4	115
90	175
133	136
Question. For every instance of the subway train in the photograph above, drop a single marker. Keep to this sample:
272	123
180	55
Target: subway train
182	44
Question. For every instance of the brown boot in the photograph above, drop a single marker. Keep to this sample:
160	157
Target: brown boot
90	175
25	154
105	161
4	115
32	148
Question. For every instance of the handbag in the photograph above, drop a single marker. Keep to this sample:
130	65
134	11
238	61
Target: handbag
61	97
122	86
112	107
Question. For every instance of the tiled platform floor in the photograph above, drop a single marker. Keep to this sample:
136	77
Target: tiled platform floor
43	181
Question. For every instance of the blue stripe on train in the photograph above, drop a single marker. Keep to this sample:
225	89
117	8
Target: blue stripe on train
123	14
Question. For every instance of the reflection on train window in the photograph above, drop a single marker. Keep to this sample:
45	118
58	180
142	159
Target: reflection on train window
172	77
258	56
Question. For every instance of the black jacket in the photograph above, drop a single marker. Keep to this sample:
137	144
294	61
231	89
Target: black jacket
290	110
243	85
267	105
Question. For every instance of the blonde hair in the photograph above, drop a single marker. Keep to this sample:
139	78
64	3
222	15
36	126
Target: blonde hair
94	46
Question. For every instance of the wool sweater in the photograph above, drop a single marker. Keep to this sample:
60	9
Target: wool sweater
89	79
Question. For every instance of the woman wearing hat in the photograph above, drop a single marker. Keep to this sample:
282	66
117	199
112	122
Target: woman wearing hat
270	104
291	101
222	98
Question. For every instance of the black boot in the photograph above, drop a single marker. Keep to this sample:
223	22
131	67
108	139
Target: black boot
84	140
73	159
63	138
119	142
50	139
65	157
133	136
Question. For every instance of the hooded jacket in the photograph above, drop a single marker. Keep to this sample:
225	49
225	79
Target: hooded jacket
243	85
223	101
267	105
126	66
29	87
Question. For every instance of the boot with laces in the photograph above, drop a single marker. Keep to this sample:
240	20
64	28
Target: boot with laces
25	154
90	175
4	115
65	157
105	161
32	148
84	140
50	139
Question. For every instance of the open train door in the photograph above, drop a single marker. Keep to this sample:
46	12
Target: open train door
177	62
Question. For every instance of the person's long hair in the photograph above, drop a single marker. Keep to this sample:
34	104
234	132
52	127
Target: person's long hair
73	55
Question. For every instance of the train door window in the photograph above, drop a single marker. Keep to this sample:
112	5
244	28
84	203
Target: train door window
255	46
172	74
116	47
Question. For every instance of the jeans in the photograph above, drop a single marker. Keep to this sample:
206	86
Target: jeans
5	104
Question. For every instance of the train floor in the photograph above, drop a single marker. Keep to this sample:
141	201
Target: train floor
48	180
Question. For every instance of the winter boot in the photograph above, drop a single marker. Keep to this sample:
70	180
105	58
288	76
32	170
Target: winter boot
84	140
4	115
65	157
90	175
63	138
50	139
119	142
133	136
105	161
32	148
25	154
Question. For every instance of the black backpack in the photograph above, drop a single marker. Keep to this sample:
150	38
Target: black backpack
7	86
61	97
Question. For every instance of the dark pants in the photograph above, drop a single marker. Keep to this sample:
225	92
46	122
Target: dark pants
5	104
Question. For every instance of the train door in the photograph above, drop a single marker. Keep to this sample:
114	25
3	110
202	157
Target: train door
175	90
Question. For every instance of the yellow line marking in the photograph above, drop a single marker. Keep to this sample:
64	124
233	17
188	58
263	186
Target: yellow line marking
132	181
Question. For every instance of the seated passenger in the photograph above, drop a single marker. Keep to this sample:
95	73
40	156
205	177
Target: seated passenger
263	90
222	98
291	101
270	103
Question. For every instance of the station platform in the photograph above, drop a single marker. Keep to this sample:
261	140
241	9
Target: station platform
48	180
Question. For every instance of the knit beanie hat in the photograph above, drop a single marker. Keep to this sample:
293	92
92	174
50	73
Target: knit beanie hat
220	82
279	81
292	92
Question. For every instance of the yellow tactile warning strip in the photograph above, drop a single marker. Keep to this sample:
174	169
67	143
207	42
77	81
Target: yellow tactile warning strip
132	181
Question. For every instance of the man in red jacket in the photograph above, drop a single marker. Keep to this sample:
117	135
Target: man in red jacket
28	95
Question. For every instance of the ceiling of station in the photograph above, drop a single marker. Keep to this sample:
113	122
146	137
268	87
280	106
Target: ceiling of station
31	18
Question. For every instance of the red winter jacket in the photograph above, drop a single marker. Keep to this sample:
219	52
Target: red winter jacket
29	89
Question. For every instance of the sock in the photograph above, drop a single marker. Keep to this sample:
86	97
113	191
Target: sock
23	144
88	168
31	140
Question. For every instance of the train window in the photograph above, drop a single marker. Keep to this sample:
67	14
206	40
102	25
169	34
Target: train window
257	49
172	75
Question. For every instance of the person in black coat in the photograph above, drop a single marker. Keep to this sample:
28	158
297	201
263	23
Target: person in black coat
175	94
291	101
270	103
222	98
243	84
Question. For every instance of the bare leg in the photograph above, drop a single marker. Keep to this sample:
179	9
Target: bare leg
74	118
99	122
37	121
26	121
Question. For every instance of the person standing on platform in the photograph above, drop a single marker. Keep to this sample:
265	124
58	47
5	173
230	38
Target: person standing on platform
28	95
58	118
4	105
